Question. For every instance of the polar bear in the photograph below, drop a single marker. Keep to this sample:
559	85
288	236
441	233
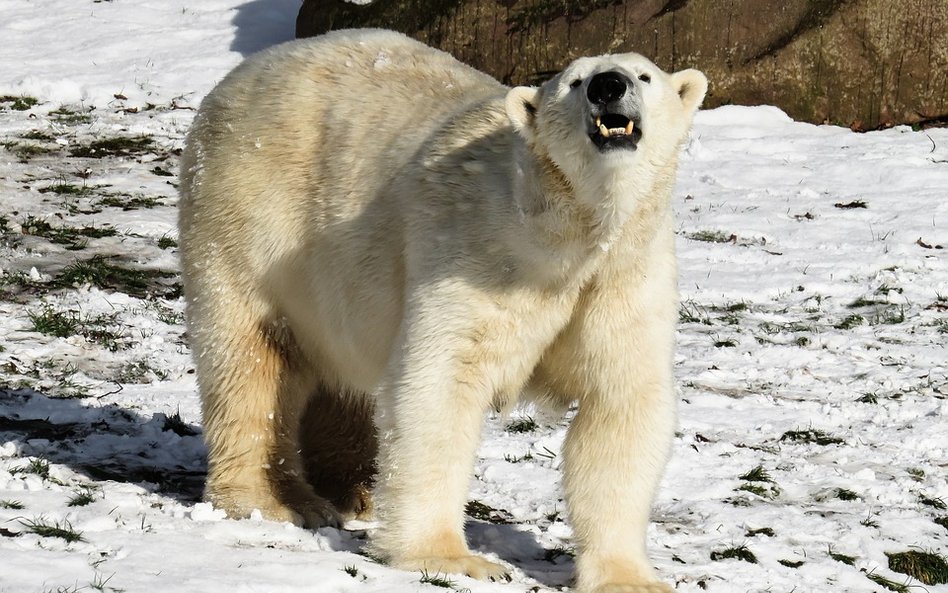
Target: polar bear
397	243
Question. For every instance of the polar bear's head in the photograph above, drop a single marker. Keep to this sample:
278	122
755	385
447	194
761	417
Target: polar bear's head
607	112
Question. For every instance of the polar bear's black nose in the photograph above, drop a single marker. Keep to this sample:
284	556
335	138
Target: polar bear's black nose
606	87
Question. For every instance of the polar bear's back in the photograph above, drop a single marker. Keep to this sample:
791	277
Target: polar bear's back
315	118
310	131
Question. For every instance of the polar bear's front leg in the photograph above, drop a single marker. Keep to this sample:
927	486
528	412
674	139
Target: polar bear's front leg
615	454
619	353
429	416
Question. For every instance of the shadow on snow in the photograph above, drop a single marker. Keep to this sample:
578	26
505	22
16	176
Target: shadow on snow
167	456
161	453
262	23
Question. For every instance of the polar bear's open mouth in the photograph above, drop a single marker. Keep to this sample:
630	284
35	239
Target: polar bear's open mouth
614	130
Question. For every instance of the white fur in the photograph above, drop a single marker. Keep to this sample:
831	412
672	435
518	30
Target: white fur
409	231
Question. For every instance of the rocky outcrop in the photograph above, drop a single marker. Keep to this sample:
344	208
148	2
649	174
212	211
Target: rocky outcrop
864	63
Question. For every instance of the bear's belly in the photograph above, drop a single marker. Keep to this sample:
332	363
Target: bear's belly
345	330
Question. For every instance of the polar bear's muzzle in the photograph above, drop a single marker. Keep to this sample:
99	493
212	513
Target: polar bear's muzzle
614	113
613	131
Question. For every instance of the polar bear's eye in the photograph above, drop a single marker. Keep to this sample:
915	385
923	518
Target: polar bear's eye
576	83
645	78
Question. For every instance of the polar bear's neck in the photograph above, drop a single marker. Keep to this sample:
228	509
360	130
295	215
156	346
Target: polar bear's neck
625	200
606	206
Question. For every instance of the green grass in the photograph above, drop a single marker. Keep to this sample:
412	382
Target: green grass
865	302
551	555
21	103
869	521
478	510
175	424
758	474
917	473
166	314
84	495
850	205
100	582
736	553
64	324
44	528
769	492
15	505
37	135
935	503
162	172
779	328
691	312
850	560
139	372
72	238
927	567
888	583
730	313
102	272
766	531
943	521
725	343
166	242
128	202
24	151
889	316
37	467
811	435
70	117
120	146
437	580
845	494
351	570
711	237
791	563
66	189
522	425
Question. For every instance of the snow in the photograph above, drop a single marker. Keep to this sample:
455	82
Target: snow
814	298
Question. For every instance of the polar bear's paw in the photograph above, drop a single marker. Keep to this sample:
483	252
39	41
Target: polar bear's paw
471	565
310	511
357	504
319	513
653	587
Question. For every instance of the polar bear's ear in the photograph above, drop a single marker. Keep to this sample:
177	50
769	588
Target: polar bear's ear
691	85
521	105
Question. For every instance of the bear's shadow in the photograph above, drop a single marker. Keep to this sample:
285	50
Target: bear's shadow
549	567
262	23
162	453
167	456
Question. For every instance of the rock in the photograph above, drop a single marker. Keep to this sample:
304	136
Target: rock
860	63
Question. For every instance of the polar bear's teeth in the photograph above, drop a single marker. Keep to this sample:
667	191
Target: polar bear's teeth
609	132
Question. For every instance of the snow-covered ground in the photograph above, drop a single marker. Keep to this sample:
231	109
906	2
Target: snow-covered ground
813	344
